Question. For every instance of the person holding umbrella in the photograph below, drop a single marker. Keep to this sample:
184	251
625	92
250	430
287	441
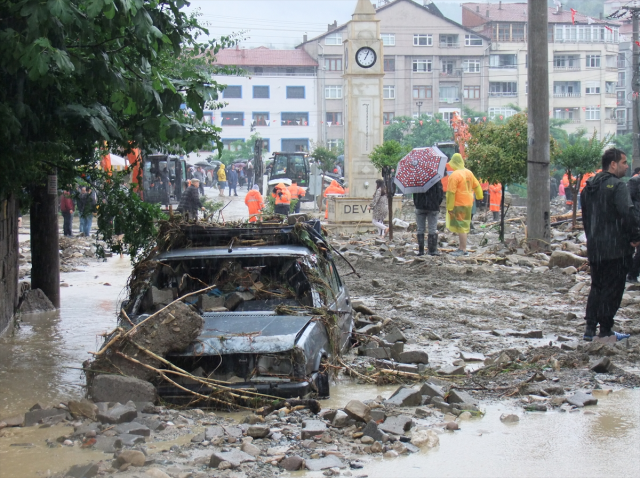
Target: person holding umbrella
427	210
460	189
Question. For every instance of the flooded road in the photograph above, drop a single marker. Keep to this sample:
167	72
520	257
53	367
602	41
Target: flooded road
36	359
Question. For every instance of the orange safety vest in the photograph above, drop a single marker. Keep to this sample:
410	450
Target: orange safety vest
585	178
296	191
254	202
285	198
334	188
445	180
495	197
565	183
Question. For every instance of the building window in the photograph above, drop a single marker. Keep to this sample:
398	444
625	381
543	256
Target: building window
593	61
261	92
610	87
449	93
420	39
471	92
422	92
333	92
621	97
258	70
622	79
622	60
421	66
389	92
471	66
261	119
333	144
570	62
232	119
502	61
449	41
333	39
333	64
504	112
295	92
231	144
621	116
517	32
232	92
503	88
448	66
592	88
295	145
294	119
389	63
387	118
592	113
472	40
334	118
388	39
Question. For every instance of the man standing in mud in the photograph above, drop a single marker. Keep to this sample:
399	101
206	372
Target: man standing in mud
613	231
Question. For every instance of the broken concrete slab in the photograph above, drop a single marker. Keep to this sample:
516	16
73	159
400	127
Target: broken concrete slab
358	411
213	432
397	425
581	399
340	420
83	471
401	367
564	259
234	299
330	461
603	365
413	356
432	390
133	428
405	397
378	415
235	432
529	334
395	335
14	421
82	409
371	430
108	444
235	457
312	428
472	357
451	370
258	431
116	388
36	416
119	413
372	329
460	396
131	440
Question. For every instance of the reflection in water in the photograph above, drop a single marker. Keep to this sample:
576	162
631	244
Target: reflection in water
35	362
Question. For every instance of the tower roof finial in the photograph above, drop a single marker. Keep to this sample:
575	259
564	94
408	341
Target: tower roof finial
364	8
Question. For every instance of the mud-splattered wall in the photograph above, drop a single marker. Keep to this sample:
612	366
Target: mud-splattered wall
8	260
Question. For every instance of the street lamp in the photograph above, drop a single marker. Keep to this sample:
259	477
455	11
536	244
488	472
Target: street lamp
418	104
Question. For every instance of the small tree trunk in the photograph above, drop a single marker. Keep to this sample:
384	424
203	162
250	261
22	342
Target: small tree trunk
501	234
322	193
574	206
390	204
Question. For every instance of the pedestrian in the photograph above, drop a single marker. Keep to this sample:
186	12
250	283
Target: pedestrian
462	185
232	179
634	193
297	193
190	201
241	177
66	208
199	174
250	175
568	190
380	207
613	230
553	188
427	209
495	198
333	190
85	205
254	202
338	170
222	180
283	199
166	186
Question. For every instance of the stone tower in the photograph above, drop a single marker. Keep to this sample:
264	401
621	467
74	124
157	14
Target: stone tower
363	75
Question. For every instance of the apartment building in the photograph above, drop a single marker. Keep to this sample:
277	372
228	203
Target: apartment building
277	98
624	89
431	64
583	68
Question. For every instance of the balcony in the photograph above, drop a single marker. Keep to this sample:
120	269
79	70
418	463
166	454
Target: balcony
567	95
611	121
454	44
455	74
500	94
449	100
566	68
503	67
612	68
610	95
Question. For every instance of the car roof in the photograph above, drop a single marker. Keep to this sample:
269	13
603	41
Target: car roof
223	251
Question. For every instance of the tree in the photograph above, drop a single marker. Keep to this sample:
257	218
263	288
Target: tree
497	153
326	160
239	150
624	142
582	156
428	130
385	157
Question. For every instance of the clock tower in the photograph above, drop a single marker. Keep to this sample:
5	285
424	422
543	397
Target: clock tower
363	74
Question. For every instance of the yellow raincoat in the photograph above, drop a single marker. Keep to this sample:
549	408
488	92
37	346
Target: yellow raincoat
461	186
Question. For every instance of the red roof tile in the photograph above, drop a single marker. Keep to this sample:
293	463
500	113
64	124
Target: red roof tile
517	12
264	57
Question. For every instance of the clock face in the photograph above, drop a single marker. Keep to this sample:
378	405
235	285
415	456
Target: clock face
366	57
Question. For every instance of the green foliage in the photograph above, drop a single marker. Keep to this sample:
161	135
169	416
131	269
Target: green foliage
270	205
624	142
325	158
389	154
419	132
239	150
211	206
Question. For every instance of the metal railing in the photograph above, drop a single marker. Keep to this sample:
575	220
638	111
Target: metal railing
566	68
450	44
502	94
567	95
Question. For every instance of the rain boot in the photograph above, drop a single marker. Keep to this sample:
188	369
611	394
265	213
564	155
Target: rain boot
421	244
432	242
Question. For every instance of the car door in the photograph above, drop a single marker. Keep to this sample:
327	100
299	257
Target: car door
341	303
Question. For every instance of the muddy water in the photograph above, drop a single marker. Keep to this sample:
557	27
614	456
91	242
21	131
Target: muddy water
36	360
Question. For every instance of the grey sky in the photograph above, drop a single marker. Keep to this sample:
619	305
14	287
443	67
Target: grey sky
281	23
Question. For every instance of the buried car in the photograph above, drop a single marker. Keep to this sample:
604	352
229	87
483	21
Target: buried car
274	307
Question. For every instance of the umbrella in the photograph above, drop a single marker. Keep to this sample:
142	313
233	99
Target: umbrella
420	169
204	164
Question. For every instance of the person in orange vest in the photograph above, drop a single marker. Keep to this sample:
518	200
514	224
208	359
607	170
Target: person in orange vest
583	183
296	193
568	191
283	199
445	180
254	202
495	198
460	199
334	188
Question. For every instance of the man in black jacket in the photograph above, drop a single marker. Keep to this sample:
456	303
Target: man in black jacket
190	200
612	229
427	209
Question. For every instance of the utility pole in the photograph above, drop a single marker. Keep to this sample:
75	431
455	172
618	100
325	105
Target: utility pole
634	86
538	199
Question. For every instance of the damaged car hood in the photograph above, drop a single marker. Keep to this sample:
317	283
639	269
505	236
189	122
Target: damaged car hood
235	333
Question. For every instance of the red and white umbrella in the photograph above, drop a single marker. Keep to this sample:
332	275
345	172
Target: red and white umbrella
420	169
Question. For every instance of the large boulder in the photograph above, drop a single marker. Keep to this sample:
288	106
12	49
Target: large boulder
116	388
34	301
564	259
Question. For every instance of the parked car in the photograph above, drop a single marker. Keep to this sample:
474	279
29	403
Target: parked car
278	313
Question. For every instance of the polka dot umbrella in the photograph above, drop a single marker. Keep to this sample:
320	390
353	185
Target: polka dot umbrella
420	169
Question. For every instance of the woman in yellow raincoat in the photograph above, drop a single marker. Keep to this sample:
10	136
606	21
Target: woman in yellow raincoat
461	186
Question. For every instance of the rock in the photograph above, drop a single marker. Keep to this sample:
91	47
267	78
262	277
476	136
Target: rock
15	421
358	411
372	431
213	432
134	428
395	336
116	388
292	463
581	399
451	370
83	408
413	356
378	353
425	439
253	419
257	431
396	425
312	428
329	461
472	357
536	407
460	396
377	283
423	412
372	329
433	336
376	447
569	270
452	426
119	413
234	299
134	457
529	334
35	301
390	454
405	397
358	306
432	390
199	438
564	259
131	440
509	418
367	440
378	415
340	420
225	465
36	416
250	449
108	444
603	365
235	457
156	473
83	471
